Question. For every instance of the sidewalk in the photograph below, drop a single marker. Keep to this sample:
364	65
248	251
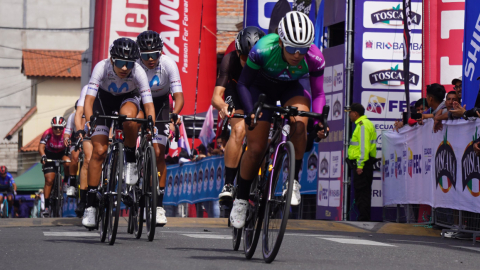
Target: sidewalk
300	225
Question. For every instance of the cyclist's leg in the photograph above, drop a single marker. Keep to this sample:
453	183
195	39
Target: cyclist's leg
233	152
10	203
130	108
47	189
87	155
73	167
66	170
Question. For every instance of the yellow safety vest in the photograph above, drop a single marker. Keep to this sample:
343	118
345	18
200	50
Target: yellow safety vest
364	142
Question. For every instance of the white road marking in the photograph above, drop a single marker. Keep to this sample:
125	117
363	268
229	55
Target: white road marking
357	242
470	248
71	234
316	235
209	236
183	232
414	241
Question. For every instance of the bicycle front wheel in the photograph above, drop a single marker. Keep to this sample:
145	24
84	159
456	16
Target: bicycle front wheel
150	184
115	194
277	206
253	223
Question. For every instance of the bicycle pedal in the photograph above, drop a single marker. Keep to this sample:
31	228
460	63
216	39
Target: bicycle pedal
160	225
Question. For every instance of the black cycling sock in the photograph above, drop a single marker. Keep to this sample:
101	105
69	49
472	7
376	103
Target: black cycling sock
230	174
160	197
91	196
73	181
298	166
130	154
243	189
83	195
47	202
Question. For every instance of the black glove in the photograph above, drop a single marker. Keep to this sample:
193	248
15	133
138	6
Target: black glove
78	132
174	117
43	159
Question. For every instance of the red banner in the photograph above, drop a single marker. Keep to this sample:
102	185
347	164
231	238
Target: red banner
178	22
442	41
115	19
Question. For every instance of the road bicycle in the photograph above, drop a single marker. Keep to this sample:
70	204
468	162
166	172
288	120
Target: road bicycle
270	196
56	195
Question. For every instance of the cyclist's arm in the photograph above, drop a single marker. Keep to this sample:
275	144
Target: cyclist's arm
246	80
89	106
14	187
316	66
179	102
221	84
217	98
318	96
78	118
41	149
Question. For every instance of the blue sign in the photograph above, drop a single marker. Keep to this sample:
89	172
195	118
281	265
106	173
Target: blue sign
471	53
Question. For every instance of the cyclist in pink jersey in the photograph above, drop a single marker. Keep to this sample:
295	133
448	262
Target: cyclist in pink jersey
52	147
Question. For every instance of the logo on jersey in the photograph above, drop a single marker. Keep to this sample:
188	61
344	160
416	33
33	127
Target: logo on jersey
155	80
113	88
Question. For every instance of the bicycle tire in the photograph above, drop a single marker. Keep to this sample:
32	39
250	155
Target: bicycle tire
236	238
102	217
130	221
115	194
277	208
150	191
59	199
138	219
253	224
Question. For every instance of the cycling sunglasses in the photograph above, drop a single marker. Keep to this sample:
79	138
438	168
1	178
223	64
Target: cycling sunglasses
59	128
121	63
294	50
147	55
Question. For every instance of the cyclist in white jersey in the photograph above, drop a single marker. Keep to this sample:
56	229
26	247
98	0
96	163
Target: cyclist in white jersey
70	140
114	86
164	78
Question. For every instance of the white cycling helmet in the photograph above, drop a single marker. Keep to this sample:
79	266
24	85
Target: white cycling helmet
58	121
296	30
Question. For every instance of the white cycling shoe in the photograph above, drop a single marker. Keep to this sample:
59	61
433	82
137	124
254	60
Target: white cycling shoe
89	217
131	175
71	191
239	213
296	197
161	218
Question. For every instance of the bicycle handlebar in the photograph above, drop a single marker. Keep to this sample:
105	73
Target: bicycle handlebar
58	160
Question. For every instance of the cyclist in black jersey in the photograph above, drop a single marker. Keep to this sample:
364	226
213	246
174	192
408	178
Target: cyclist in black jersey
230	70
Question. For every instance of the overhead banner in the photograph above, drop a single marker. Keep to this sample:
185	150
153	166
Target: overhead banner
380	74
115	19
439	169
178	22
443	41
471	52
258	12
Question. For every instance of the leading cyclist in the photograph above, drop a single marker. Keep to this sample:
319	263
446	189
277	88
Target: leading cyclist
7	185
113	87
164	78
274	66
52	147
230	70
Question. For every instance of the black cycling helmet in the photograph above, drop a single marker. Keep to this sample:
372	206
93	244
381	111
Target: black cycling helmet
150	40
247	38
125	49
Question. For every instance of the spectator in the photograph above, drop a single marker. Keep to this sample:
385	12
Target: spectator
202	153
183	157
435	98
24	211
445	113
221	142
214	151
420	106
457	86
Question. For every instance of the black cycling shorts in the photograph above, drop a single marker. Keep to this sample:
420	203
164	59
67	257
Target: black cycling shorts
231	96
162	109
49	167
107	104
274	90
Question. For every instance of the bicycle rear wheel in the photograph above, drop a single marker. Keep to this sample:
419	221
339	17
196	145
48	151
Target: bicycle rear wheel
115	194
150	184
253	224
130	221
277	206
236	238
139	210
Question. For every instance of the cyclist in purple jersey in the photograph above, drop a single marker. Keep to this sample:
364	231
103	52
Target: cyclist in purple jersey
274	66
7	185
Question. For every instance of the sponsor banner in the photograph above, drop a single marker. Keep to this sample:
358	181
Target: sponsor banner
443	41
390	76
389	15
178	22
384	105
439	169
115	19
471	66
380	127
389	46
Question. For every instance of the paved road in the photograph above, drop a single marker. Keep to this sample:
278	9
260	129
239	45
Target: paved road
209	247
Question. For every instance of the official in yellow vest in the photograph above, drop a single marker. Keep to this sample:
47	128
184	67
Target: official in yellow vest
362	152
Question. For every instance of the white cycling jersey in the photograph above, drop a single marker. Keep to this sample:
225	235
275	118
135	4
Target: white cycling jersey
81	100
104	77
70	128
164	77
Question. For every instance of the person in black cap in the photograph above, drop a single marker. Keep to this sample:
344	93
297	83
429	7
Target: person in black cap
362	154
435	98
457	86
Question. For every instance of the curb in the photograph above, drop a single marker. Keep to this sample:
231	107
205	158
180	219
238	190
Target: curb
298	225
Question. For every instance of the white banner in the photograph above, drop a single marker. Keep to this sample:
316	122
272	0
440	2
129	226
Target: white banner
439	169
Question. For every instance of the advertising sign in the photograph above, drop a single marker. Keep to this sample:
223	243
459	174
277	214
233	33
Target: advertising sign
471	65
